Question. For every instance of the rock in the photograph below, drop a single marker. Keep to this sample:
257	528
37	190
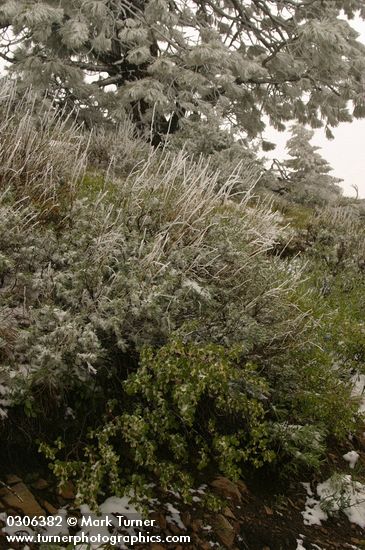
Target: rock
12	479
228	513
236	526
12	512
67	491
227	488
21	499
155	546
224	531
40	484
49	507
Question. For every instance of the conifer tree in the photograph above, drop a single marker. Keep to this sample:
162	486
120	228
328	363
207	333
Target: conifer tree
166	61
309	171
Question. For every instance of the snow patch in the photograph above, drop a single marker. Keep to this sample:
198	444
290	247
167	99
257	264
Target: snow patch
351	457
174	516
300	544
62	529
338	493
120	506
313	513
307	487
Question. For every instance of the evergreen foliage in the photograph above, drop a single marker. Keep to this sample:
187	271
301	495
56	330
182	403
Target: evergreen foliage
172	63
305	158
308	170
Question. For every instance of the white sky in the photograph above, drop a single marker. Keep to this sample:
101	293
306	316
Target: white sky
345	153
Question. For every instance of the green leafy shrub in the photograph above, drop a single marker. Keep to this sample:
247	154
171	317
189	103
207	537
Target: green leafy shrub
193	410
335	267
196	397
298	446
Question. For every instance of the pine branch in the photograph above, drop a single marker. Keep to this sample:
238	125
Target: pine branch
6	58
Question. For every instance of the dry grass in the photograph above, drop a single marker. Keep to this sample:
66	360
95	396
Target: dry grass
40	150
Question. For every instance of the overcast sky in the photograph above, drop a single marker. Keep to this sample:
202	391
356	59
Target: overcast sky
346	153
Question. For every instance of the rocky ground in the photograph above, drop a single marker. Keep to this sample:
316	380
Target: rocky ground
254	517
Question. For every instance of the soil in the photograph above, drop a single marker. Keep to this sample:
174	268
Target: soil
260	514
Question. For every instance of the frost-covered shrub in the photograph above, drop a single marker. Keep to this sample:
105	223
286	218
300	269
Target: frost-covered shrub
158	252
129	263
42	153
116	149
226	156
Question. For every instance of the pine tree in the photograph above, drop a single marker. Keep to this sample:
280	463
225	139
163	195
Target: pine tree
170	60
309	172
